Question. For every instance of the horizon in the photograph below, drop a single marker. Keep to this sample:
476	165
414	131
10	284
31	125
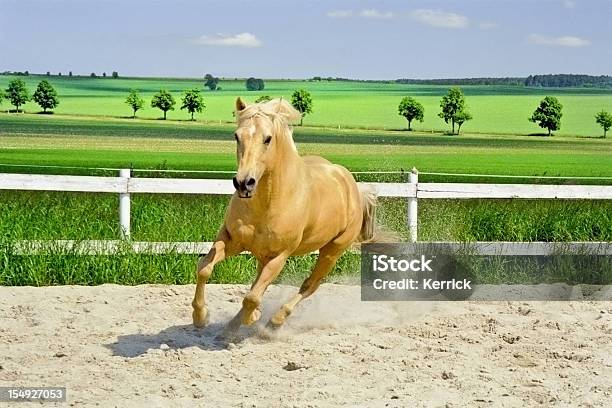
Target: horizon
311	78
371	40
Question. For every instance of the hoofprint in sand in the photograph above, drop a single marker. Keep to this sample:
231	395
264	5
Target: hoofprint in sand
124	346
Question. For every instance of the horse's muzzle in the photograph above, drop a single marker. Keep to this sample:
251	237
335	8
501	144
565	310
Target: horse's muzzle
244	187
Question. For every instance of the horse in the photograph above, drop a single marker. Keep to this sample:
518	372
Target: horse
284	205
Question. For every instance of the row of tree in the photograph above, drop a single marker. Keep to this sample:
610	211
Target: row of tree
163	100
568	80
193	102
114	74
547	80
454	110
453	105
17	93
46	97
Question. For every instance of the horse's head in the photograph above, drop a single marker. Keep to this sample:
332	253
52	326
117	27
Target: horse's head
262	135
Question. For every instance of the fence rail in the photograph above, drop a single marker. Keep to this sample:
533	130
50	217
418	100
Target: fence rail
125	185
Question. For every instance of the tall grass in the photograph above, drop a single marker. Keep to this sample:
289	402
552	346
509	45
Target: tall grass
26	215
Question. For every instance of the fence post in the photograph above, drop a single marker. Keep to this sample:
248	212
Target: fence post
412	207
124	206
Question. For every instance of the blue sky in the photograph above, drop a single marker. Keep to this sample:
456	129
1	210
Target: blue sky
299	39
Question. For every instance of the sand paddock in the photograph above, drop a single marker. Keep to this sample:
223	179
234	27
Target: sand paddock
123	346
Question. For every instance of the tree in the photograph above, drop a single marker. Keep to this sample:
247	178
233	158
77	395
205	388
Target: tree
45	96
211	82
302	101
17	93
461	118
452	104
93	75
193	102
135	101
263	98
115	74
164	101
1	95
548	114
104	74
255	84
411	109
604	119
69	73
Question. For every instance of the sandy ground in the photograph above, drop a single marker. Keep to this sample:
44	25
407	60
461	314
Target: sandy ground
134	346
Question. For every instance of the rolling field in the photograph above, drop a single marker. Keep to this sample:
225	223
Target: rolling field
496	109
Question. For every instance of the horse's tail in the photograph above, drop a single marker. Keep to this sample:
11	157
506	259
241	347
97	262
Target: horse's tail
371	231
369	202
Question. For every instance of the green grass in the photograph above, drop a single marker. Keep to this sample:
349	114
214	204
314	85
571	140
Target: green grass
496	109
84	216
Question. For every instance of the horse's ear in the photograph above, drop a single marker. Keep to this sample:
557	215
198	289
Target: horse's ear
240	105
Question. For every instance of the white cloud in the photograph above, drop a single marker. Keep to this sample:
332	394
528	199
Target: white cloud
340	14
373	13
224	40
570	4
487	25
438	18
365	13
564	41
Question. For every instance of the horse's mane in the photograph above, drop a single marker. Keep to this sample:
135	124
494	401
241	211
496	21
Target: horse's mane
278	111
275	109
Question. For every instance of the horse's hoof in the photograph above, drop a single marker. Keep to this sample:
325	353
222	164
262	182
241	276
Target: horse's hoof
279	318
200	317
252	318
273	326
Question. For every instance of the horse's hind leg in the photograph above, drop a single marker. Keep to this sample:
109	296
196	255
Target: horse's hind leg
328	256
222	248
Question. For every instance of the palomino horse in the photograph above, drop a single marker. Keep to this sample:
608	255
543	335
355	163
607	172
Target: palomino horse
284	205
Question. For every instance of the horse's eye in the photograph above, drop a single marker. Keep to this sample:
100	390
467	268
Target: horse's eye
268	140
236	137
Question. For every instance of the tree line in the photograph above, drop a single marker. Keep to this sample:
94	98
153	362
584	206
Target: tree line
454	110
193	102
569	80
548	80
163	100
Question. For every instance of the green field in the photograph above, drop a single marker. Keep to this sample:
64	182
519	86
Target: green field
496	109
118	143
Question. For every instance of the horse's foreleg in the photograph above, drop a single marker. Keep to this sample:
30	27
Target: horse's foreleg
250	312
221	249
326	261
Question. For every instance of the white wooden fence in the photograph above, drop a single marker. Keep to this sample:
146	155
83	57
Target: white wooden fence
125	185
